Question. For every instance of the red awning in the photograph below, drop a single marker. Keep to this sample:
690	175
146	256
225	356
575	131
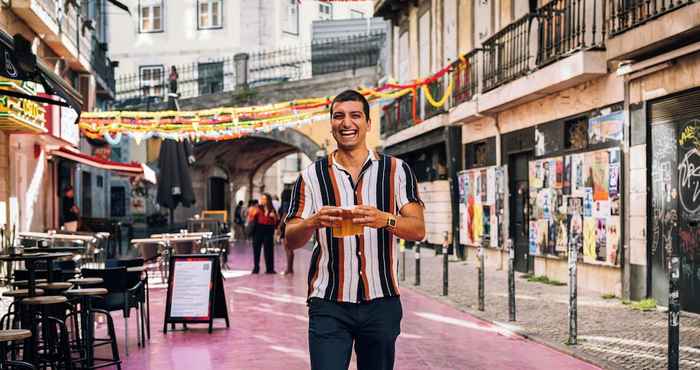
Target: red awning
76	156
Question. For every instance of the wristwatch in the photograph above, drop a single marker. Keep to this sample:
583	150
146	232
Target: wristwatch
390	221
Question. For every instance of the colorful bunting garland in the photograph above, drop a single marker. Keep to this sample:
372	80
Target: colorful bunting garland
230	123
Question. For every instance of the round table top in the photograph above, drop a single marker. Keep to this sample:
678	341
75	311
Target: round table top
33	256
45	300
136	269
86	281
14	334
86	291
53	286
21	293
56	236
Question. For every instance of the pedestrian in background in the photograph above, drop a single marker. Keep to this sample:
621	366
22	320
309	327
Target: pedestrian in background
265	218
284	208
70	211
172	79
239	221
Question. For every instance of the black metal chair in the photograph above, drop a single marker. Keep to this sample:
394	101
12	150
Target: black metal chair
123	295
134	278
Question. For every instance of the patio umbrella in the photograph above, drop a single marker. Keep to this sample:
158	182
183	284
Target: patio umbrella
174	180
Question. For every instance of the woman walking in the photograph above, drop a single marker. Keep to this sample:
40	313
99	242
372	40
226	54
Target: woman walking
266	220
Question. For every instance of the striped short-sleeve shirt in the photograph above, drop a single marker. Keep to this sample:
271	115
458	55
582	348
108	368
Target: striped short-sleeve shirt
362	267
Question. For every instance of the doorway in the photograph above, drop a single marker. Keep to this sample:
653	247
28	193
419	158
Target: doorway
518	186
217	193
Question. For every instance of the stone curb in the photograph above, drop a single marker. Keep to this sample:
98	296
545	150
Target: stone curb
523	333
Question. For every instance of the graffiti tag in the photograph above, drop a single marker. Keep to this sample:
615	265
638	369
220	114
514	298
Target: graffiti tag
689	181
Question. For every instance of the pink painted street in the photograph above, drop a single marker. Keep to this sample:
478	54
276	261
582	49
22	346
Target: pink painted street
269	323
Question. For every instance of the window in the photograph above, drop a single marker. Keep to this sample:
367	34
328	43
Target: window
152	80
210	77
100	181
354	14
325	11
292	17
404	59
151	16
116	155
209	12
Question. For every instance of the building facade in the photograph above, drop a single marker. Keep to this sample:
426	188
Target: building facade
198	37
68	39
576	124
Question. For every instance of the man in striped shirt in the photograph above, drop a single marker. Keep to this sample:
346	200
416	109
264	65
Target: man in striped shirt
353	290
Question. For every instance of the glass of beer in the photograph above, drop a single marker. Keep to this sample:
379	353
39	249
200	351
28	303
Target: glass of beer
346	227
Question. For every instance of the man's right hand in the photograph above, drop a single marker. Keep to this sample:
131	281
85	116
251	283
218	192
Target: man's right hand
325	217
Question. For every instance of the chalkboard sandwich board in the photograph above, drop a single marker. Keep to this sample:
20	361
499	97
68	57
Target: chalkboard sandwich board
195	291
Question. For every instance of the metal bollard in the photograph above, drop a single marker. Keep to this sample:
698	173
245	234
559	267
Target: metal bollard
573	324
418	263
480	254
674	305
445	264
511	281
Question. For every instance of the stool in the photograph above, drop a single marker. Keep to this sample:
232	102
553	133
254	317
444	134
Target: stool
55	288
81	282
13	316
48	347
87	320
6	338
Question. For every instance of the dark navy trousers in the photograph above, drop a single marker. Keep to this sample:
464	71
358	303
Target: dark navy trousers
371	326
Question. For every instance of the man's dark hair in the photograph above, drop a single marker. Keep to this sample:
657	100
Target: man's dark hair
67	188
351	95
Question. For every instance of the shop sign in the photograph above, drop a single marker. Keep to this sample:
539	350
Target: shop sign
18	114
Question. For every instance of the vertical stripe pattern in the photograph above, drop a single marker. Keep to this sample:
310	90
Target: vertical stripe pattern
358	268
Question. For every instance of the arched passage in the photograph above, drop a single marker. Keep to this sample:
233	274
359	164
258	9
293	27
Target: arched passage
246	159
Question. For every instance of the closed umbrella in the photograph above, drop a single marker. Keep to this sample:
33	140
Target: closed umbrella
175	182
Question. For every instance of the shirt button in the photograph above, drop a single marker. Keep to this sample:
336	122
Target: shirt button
360	272
359	253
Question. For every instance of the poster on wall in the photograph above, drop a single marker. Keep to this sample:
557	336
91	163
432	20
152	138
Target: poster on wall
482	215
586	214
533	238
606	128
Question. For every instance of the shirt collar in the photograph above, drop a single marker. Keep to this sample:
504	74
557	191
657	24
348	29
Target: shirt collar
371	156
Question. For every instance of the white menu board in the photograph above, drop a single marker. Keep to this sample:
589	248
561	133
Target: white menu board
191	284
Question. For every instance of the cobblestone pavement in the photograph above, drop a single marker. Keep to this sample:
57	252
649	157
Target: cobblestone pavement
611	334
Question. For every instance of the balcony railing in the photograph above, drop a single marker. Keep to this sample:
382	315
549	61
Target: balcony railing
465	78
507	53
102	65
436	90
626	14
397	115
565	26
269	67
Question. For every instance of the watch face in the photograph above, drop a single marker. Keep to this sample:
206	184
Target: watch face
392	222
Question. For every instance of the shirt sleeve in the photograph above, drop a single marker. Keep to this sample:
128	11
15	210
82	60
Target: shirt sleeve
301	204
407	191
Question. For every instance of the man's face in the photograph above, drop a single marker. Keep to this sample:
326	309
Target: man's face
69	193
349	124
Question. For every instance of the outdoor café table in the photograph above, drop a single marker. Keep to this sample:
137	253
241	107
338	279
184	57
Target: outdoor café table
74	250
29	260
57	236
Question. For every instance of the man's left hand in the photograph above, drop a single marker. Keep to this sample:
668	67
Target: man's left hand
369	216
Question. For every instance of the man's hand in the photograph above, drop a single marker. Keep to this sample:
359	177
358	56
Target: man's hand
369	216
325	217
298	231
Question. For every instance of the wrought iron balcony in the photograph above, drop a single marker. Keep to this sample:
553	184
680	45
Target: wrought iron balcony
464	76
627	14
507	53
103	67
566	26
436	91
397	115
